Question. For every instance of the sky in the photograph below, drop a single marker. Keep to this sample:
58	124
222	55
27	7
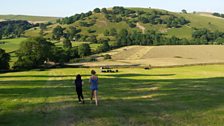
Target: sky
62	8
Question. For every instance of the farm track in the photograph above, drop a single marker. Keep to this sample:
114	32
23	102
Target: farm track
141	27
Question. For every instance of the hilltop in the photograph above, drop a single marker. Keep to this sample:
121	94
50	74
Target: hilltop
96	23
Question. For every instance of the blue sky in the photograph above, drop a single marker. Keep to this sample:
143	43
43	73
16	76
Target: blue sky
63	8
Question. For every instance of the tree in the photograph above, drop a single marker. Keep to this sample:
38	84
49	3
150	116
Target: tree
92	39
118	10
123	32
113	32
105	47
96	10
14	28
84	50
131	24
220	41
74	53
4	60
107	56
60	55
122	38
216	14
42	26
0	34
106	32
67	43
184	11
58	32
104	10
33	53
91	31
72	31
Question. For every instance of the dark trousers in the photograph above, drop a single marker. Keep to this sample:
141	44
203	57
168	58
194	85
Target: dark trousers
79	93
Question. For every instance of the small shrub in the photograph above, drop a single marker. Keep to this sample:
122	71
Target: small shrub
107	56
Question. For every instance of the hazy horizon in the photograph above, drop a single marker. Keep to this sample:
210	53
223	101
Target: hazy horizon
65	8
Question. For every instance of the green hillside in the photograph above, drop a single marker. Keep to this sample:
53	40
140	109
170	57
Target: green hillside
197	21
101	23
35	19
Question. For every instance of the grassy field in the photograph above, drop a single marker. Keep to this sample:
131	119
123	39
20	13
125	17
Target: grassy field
34	19
160	56
11	44
185	96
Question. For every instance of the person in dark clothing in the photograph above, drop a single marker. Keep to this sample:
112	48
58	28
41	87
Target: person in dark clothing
78	84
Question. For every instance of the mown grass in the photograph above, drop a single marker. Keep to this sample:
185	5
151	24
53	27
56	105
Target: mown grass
169	96
93	46
183	32
11	44
199	21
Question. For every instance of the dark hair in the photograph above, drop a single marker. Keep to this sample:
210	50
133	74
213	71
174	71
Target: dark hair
93	72
78	77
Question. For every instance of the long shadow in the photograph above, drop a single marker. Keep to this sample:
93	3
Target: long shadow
84	75
44	76
124	101
135	75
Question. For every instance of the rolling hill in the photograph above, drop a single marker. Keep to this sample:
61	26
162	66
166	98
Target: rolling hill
196	20
99	22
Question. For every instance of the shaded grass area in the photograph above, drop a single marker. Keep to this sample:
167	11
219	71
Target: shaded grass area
171	96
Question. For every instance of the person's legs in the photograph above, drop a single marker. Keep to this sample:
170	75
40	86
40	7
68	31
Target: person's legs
96	98
92	93
79	94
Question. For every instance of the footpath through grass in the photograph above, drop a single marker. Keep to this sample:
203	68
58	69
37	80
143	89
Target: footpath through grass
170	96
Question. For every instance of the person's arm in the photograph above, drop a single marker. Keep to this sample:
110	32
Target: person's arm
97	80
73	82
90	80
82	82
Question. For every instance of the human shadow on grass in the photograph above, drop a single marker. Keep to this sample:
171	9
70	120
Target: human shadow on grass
124	101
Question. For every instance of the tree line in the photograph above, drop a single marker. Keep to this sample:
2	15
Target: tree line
118	14
36	52
218	15
131	17
199	37
14	28
74	18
